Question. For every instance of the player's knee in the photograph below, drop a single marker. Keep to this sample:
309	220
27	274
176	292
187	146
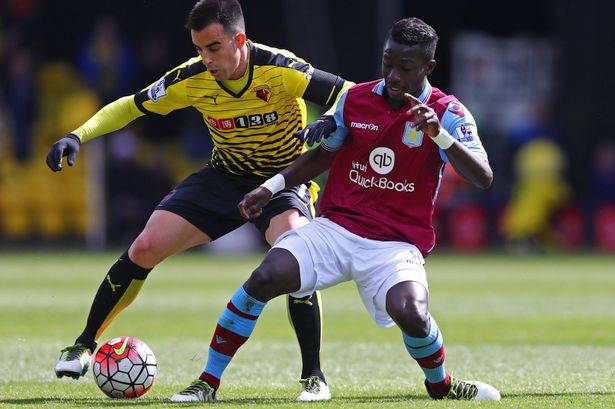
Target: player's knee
411	316
146	251
278	274
264	283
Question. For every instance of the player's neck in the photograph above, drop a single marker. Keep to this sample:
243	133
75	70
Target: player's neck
244	61
394	103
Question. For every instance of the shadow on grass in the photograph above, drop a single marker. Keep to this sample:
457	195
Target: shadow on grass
339	399
260	401
249	401
401	398
554	394
77	402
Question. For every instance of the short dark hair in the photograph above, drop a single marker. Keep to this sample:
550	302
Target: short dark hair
225	12
414	31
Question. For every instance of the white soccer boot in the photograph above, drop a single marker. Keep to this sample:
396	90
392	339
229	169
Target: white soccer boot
74	361
468	390
313	389
198	391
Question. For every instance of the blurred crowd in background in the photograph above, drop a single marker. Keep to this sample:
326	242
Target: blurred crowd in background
535	78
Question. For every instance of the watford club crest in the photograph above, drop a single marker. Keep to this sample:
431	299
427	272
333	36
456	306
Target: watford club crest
263	92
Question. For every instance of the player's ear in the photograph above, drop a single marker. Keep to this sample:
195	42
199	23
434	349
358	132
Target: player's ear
240	39
429	67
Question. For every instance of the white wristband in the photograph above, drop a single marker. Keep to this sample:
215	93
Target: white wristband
444	139
275	183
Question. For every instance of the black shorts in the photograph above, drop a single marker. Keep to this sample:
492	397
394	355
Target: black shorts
208	199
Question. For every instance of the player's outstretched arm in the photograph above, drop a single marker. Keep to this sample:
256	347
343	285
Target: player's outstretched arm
474	168
111	117
305	168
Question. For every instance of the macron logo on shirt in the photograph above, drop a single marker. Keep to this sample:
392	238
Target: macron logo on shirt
360	125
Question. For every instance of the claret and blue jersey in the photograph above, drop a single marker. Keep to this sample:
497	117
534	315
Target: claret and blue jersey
387	173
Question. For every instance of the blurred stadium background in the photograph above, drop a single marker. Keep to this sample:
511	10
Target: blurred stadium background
534	74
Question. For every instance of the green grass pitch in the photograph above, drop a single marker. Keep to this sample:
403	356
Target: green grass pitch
541	329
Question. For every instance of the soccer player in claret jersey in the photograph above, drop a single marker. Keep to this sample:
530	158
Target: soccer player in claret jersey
252	99
393	138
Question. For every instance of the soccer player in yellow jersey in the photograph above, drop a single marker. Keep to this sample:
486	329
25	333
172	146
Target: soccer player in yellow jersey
252	100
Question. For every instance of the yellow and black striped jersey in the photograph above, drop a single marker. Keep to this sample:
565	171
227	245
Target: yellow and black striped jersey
251	129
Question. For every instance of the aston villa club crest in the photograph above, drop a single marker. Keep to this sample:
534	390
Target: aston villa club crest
263	92
412	137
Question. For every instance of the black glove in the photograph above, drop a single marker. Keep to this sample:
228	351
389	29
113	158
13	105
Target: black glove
67	146
314	132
